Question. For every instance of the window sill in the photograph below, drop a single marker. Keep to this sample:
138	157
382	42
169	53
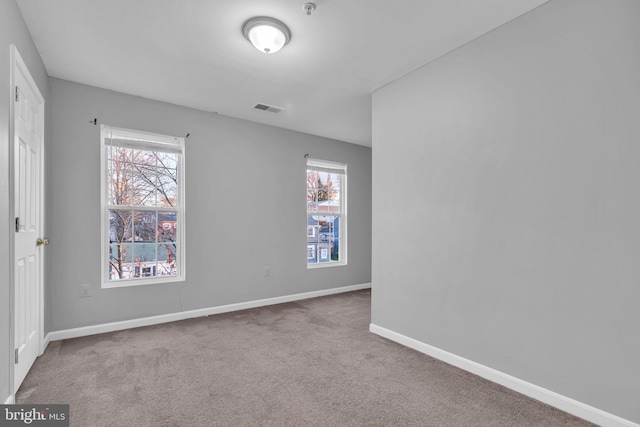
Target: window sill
325	265
127	283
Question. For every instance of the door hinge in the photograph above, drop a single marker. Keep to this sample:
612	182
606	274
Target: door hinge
17	224
16	358
17	94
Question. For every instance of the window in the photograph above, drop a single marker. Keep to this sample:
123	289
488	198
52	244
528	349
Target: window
142	193
326	213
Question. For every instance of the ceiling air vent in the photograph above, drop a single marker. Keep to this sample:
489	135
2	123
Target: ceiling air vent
269	108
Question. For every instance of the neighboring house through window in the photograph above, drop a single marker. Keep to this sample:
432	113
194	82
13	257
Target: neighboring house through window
142	196
326	213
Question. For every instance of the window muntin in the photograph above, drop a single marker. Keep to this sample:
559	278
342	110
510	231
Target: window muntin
326	213
142	207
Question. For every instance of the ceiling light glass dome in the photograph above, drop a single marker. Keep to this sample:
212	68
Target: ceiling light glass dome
268	35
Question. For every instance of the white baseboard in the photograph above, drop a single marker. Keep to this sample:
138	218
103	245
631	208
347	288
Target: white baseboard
549	397
45	343
165	318
10	400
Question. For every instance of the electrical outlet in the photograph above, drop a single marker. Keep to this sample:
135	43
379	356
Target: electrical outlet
85	290
267	271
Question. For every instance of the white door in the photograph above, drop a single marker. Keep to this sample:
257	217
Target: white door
28	121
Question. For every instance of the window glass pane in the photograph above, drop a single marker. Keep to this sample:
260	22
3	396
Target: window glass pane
167	259
120	229
120	261
324	252
119	154
323	189
323	192
144	160
312	179
144	259
313	236
120	176
328	236
119	184
312	191
118	166
167	160
326	227
337	182
167	187
167	226
329	181
335	251
144	226
312	205
312	253
333	204
312	228
144	188
128	260
335	248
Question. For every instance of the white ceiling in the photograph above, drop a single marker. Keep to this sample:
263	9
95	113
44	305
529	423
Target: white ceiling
193	53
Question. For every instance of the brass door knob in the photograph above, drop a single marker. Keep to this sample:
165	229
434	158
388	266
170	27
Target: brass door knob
40	242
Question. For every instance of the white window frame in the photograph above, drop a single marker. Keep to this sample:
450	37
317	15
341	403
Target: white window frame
339	169
151	141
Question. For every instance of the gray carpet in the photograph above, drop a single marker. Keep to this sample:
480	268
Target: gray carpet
308	363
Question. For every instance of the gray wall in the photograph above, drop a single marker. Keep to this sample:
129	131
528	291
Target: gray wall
245	192
506	205
12	31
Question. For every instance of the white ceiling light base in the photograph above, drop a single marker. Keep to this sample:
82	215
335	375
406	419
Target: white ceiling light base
268	35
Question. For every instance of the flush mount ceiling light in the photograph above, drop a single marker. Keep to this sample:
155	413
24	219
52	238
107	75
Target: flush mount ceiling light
268	35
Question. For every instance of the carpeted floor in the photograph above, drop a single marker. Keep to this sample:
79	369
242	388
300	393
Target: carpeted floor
308	363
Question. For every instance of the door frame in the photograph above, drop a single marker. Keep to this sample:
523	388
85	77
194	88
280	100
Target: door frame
16	62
